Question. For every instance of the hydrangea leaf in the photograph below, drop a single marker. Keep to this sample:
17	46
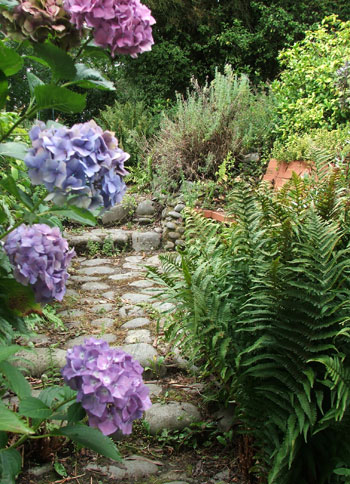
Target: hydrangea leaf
60	98
16	380
10	422
19	298
75	213
11	186
34	408
91	78
10	61
61	64
33	81
3	89
10	465
91	438
14	149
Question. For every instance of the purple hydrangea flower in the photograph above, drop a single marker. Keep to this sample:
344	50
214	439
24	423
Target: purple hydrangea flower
40	257
82	161
109	384
122	25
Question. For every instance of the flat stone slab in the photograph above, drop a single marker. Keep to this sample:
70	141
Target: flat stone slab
124	277
134	259
110	295
134	267
129	310
138	336
98	270
154	390
144	353
133	467
71	313
163	307
136	323
80	279
94	286
152	261
136	298
79	340
172	416
71	293
103	308
145	241
40	360
95	262
142	283
103	322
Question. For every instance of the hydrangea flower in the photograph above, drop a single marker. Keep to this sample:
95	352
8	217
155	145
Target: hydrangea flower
109	384
40	257
83	161
124	26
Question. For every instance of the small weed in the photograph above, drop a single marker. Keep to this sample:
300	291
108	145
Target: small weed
93	248
108	249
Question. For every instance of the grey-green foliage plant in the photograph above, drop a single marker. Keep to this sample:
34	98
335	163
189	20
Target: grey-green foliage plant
222	117
263	305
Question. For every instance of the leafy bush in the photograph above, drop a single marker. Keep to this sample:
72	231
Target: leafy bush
301	147
263	308
222	117
307	93
132	123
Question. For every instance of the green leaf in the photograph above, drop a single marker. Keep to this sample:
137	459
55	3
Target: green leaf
34	408
19	298
7	351
14	149
10	465
91	438
3	89
75	413
75	213
60	98
3	439
11	423
8	4
16	380
60	469
60	62
91	78
10	61
33	81
342	471
11	186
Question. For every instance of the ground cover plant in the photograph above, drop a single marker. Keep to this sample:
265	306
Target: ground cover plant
262	305
70	172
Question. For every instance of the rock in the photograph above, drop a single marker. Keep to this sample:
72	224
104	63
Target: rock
103	308
71	313
180	243
159	230
80	279
134	298
40	360
133	267
103	322
138	336
251	157
179	207
144	221
95	262
136	323
142	283
94	286
181	229
154	390
170	225
109	337
163	307
130	310
98	270
144	353
133	467
222	476
174	235
172	416
117	215
40	470
134	259
174	214
119	237
144	241
225	418
169	246
110	295
124	277
80	241
153	261
144	208
71	293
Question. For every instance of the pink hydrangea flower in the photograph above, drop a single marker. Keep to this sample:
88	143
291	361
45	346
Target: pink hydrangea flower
124	26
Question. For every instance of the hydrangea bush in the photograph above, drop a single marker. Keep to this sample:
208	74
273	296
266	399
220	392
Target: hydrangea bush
109	385
79	171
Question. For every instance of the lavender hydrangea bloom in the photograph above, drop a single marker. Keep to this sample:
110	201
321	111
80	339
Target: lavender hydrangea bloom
109	384
83	161
122	25
40	257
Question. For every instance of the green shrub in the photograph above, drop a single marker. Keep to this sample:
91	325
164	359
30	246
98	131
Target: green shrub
132	123
301	147
307	93
222	117
262	307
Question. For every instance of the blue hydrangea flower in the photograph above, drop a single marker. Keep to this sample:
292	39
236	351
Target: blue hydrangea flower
109	384
40	257
82	162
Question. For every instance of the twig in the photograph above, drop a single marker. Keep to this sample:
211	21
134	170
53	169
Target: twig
67	479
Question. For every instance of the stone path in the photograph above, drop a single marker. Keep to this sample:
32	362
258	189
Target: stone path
111	298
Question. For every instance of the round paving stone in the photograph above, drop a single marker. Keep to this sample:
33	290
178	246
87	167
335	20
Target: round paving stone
71	313
103	308
124	277
136	298
172	416
103	322
129	310
95	262
136	323
79	340
110	295
98	270
138	336
40	360
141	283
